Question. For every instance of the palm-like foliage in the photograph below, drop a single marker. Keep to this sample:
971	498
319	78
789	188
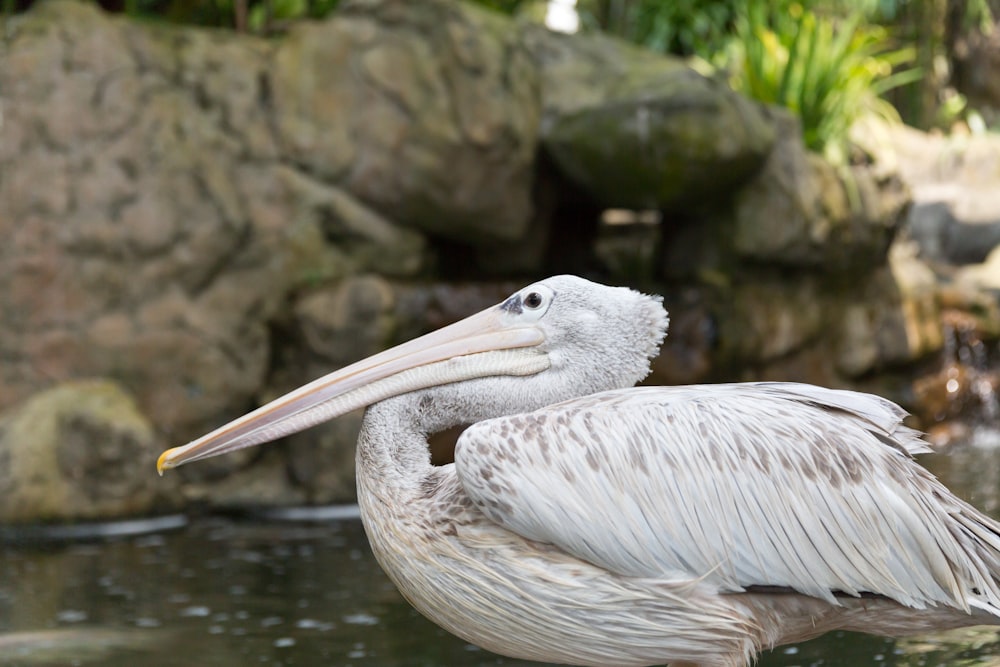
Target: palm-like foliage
827	70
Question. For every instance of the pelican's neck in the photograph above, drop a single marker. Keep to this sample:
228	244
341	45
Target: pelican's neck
393	459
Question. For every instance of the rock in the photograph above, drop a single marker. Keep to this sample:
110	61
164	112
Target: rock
972	242
955	182
420	308
266	483
812	364
929	223
765	320
945	236
79	451
800	211
331	328
427	112
321	462
212	219
894	319
978	305
354	238
642	131
154	224
985	276
157	248
686	356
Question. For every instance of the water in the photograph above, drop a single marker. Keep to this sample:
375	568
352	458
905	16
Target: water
969	370
263	592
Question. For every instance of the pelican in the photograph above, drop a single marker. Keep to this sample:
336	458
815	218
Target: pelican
587	522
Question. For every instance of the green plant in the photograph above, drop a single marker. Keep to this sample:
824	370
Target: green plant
829	71
262	16
819	58
502	6
682	27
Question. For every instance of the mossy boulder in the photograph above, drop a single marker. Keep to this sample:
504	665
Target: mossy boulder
639	130
78	451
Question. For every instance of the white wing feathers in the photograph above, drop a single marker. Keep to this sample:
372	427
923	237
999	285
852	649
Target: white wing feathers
750	485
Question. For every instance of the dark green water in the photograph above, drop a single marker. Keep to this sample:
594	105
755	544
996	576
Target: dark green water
222	592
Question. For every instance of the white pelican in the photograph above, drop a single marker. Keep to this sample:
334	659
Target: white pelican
589	523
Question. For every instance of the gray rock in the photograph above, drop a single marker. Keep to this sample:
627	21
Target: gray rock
427	112
972	243
266	483
354	238
79	451
928	224
331	328
334	326
891	319
947	230
801	211
321	462
211	219
767	319
154	223
642	131
955	182
157	237
982	276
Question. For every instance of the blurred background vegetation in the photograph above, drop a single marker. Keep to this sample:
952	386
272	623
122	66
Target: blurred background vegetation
828	61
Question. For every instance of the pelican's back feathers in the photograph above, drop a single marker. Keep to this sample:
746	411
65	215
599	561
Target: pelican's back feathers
750	485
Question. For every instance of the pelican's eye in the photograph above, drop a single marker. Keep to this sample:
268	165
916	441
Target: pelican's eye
533	300
530	304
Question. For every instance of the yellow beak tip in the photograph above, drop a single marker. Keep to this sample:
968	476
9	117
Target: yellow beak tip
163	464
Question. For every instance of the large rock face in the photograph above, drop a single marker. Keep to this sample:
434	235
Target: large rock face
127	247
165	190
153	224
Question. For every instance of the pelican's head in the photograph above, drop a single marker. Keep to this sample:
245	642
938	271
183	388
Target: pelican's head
575	336
602	337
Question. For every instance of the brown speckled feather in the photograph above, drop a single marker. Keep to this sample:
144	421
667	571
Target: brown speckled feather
776	485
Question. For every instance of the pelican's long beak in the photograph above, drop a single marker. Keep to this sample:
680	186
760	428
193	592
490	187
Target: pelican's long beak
481	345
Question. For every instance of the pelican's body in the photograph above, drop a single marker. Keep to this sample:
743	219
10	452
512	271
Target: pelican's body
589	524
